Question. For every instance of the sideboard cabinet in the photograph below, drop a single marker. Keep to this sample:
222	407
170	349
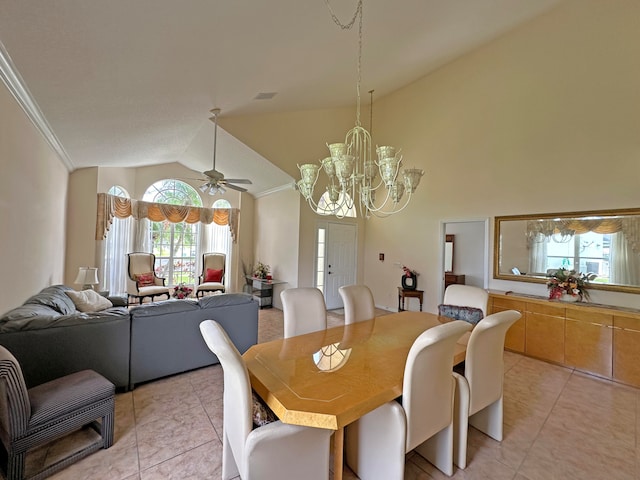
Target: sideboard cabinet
597	339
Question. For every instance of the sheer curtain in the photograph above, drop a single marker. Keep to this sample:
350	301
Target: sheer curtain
538	256
116	246
214	238
624	262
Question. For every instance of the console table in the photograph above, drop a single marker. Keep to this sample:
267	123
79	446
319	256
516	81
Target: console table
262	290
599	339
406	293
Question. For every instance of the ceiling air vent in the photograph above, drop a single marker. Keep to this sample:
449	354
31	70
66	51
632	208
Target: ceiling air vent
265	95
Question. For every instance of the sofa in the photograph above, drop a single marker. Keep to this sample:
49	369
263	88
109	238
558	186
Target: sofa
51	338
166	339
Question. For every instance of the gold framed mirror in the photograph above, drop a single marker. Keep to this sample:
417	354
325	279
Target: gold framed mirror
604	242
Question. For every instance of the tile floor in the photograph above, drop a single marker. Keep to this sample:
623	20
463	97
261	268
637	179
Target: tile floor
559	424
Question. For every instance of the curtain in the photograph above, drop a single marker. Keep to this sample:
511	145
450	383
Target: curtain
110	206
624	265
214	238
114	260
538	257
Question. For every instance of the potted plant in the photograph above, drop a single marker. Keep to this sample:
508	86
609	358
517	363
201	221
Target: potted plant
569	286
261	270
182	291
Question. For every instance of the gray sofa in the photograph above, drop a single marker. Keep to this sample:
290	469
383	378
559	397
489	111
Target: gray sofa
166	339
50	338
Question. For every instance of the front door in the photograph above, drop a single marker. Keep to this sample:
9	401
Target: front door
340	268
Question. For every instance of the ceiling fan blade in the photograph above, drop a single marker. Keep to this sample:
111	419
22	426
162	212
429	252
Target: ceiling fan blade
238	180
235	187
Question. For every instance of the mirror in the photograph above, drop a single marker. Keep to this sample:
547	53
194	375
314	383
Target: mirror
448	253
607	243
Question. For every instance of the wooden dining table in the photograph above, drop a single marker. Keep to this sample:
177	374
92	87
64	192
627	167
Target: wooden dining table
329	379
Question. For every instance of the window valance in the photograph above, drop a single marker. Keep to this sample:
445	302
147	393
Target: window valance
110	206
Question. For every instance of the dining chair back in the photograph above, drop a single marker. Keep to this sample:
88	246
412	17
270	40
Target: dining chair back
421	420
479	392
304	311
272	451
358	303
467	296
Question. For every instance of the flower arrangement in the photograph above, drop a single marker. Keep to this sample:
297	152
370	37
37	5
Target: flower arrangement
408	272
261	270
569	282
182	291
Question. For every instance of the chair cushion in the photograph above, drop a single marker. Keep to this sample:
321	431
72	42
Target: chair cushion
89	300
468	314
145	279
262	414
65	395
213	275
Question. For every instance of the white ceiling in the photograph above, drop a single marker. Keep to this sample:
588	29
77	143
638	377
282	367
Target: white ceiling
131	83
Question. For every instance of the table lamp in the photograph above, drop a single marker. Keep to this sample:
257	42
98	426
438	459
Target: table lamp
87	277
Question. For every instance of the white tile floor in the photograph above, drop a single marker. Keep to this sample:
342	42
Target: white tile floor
559	424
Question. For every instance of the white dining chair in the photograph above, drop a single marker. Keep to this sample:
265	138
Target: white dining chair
421	420
467	296
304	311
478	400
270	452
358	303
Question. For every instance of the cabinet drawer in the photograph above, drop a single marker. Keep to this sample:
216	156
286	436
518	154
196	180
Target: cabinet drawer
550	309
586	316
588	346
544	337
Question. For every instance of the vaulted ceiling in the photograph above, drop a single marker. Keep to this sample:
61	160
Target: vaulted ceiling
131	83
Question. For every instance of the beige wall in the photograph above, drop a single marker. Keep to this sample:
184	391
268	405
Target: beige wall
33	198
276	237
544	119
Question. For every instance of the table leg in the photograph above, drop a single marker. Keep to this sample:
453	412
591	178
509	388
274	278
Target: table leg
338	451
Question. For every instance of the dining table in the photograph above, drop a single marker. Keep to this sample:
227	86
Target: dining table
331	378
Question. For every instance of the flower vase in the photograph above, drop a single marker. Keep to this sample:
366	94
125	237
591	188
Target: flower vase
409	281
569	298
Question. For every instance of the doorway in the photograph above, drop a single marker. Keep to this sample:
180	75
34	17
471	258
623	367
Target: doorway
470	251
335	260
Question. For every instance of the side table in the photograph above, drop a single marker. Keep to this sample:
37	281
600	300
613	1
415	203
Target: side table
404	293
262	290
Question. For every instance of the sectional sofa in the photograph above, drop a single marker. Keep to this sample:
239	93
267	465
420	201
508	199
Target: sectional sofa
51	338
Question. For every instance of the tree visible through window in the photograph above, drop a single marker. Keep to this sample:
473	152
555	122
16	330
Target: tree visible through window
174	244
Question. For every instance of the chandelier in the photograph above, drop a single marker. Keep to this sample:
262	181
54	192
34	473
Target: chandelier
353	173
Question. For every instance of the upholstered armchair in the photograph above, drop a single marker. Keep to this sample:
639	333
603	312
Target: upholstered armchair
212	277
31	418
142	280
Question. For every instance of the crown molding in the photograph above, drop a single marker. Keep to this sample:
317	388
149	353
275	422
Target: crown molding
280	188
12	79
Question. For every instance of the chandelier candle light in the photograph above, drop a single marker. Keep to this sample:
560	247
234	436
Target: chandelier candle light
353	174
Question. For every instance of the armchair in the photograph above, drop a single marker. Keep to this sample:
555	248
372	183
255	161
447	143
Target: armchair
212	277
142	280
47	412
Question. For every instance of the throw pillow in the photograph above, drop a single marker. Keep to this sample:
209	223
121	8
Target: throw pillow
145	279
262	414
213	275
468	314
89	301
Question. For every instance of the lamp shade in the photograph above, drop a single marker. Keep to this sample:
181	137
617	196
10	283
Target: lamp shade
87	277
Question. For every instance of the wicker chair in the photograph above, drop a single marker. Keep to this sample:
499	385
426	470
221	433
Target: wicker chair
39	415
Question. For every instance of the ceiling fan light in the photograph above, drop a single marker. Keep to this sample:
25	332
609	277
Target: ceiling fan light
203	188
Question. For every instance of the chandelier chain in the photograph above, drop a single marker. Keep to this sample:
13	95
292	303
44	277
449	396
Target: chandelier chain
357	15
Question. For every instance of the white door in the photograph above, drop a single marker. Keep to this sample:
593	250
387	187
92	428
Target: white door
340	268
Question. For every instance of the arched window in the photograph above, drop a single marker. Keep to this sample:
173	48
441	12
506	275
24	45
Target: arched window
221	203
327	207
113	270
175	245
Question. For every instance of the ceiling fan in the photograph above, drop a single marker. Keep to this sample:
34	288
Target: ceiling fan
215	182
